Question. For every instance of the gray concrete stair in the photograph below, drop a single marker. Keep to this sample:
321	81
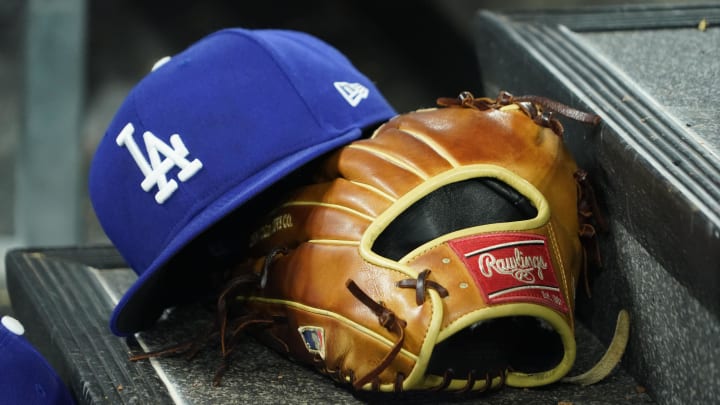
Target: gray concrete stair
650	73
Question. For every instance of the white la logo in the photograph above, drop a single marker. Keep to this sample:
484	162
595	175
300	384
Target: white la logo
353	93
156	170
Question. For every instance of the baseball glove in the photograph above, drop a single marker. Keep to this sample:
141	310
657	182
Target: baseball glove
442	253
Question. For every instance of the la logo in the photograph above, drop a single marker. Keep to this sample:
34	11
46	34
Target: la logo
156	170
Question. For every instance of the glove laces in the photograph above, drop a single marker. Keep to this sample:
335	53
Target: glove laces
389	321
421	284
229	332
532	106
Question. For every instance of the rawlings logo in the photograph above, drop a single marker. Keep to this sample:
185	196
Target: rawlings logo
510	267
518	266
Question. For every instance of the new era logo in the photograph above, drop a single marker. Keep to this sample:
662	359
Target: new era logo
353	93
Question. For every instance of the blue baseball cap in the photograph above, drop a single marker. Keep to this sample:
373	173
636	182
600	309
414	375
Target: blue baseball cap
207	130
25	375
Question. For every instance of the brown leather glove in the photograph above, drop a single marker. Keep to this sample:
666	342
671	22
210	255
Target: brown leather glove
441	253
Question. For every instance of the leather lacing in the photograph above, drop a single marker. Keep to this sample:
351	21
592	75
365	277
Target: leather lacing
389	320
238	285
421	284
470	379
392	323
229	332
591	222
268	261
532	106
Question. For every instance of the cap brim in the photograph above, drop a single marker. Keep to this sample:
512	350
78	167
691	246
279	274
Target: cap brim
144	301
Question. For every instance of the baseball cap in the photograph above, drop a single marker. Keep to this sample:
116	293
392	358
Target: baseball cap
25	375
205	131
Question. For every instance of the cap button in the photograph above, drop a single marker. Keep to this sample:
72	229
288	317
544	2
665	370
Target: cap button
160	62
13	325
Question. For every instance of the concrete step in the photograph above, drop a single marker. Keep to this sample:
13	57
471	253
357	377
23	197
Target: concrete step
648	71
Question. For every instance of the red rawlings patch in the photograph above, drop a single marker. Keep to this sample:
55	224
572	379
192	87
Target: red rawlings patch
511	267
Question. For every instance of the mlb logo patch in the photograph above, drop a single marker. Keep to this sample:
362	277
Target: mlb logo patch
314	338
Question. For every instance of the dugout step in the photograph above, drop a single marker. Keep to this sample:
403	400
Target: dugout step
64	297
651	73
